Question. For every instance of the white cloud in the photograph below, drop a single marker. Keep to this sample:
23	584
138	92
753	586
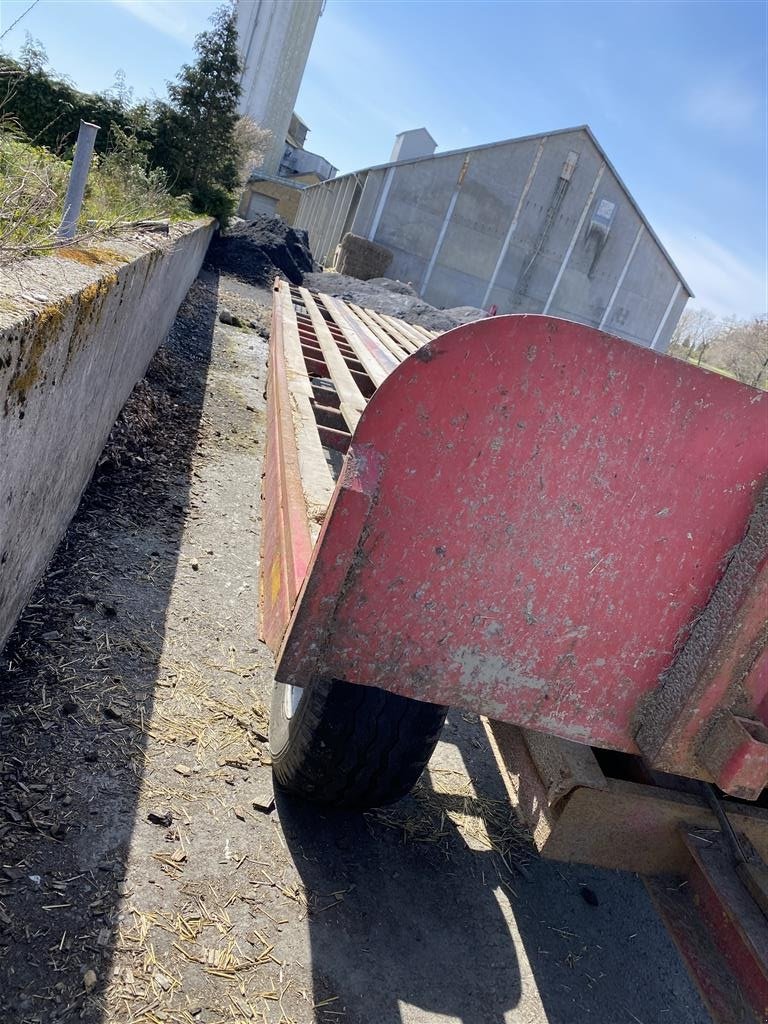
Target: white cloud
721	280
167	16
723	105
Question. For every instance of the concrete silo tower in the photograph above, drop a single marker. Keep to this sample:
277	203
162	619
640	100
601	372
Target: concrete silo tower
274	39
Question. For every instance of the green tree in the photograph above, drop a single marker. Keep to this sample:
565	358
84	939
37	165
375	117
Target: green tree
48	109
195	140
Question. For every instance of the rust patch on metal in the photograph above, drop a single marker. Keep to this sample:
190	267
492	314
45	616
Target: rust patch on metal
735	751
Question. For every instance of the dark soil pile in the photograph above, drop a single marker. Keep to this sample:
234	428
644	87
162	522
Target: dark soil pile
259	250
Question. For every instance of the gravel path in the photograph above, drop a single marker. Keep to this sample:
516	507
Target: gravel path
147	876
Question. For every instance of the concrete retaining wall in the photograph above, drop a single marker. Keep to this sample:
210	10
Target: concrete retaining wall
77	331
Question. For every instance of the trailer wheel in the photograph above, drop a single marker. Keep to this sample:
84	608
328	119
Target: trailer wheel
350	746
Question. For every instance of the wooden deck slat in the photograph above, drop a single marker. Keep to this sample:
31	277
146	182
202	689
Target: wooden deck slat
377	360
408	330
352	399
429	335
376	341
316	478
395	329
384	336
384	350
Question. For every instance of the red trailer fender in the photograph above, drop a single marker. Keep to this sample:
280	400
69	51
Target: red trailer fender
531	516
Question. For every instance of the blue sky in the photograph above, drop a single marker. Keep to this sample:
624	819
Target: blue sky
675	92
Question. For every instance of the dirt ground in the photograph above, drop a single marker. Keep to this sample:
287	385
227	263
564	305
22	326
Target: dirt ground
146	876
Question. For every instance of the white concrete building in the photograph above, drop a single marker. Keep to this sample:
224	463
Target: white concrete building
539	224
275	37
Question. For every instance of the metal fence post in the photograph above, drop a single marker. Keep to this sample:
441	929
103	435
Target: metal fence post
78	177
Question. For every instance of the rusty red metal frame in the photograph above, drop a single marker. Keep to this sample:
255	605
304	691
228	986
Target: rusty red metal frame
718	929
702	718
612	816
286	544
619	814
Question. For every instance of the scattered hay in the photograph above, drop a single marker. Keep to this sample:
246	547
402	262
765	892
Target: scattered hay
444	807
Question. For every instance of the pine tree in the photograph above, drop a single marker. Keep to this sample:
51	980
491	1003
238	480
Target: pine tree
195	140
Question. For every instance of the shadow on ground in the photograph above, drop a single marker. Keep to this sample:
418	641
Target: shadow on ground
78	679
437	909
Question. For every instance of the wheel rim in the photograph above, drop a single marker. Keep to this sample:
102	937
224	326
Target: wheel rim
291	700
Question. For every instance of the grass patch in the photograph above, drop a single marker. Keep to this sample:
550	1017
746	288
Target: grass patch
33	182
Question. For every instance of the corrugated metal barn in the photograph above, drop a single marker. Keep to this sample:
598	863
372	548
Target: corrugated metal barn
541	224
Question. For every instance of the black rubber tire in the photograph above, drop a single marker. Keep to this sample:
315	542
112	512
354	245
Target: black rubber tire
351	746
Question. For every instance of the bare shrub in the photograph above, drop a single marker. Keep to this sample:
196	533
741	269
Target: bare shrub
252	142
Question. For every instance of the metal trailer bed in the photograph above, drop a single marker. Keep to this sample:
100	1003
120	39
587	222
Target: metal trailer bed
558	530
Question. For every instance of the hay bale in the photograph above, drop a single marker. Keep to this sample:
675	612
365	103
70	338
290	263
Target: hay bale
357	257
